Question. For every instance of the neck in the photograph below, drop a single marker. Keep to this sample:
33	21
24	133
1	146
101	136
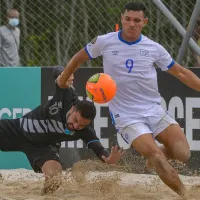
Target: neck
129	39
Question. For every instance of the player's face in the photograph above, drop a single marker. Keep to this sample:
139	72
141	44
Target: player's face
74	121
132	24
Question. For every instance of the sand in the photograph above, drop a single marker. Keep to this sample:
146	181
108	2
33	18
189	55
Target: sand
84	183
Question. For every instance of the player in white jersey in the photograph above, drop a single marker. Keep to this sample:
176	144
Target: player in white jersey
129	57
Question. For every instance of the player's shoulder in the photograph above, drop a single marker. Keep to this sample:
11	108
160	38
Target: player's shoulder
151	43
108	36
87	132
148	40
111	34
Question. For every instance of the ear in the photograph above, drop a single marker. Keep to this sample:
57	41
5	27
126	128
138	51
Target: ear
146	21
71	109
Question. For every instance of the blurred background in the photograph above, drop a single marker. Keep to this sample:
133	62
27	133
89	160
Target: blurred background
53	30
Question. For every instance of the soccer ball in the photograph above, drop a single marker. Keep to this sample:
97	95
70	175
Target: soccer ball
101	88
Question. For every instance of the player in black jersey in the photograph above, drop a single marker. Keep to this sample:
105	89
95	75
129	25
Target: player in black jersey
39	133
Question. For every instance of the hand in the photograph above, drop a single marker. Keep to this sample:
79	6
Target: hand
115	155
67	84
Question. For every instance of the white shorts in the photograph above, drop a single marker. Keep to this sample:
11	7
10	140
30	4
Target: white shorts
133	131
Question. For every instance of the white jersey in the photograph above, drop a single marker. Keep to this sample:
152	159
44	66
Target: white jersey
131	64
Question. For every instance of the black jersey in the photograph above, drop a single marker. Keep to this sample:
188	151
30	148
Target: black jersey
46	125
47	122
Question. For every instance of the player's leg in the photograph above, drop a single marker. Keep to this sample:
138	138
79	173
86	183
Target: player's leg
45	159
167	131
53	176
149	166
175	145
9	140
147	147
51	168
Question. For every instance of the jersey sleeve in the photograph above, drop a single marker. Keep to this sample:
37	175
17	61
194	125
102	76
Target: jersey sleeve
88	135
95	47
67	96
164	59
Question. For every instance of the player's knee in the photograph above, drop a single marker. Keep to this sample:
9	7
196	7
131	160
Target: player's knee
184	155
51	168
182	152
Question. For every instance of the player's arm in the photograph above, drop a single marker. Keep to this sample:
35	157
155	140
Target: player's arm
66	95
111	158
91	51
88	135
57	72
186	76
72	66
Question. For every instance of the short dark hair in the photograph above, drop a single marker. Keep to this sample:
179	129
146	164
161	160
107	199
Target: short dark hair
135	6
86	109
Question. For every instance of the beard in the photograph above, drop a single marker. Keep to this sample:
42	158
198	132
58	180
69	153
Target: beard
69	125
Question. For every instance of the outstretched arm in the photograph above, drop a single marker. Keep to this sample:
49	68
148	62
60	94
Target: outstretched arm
72	66
186	76
58	71
104	155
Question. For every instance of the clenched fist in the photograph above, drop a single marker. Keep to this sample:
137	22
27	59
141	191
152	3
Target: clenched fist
66	84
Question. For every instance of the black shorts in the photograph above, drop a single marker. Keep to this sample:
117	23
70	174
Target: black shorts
39	154
36	154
